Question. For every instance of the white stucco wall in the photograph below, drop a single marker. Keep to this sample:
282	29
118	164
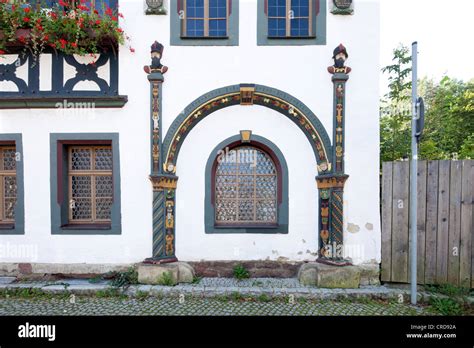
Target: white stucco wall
193	71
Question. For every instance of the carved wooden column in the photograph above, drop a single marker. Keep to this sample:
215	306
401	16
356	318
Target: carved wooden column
164	185
164	203
331	241
331	186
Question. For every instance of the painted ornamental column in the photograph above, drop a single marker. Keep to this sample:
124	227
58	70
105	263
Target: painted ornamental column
164	185
331	186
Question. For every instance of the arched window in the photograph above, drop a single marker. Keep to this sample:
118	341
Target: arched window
248	189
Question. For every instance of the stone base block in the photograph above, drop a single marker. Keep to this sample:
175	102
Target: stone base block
158	274
369	274
325	276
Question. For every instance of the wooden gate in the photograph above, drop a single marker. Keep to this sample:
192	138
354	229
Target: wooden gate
445	222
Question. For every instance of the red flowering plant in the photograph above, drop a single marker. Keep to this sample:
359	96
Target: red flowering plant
71	27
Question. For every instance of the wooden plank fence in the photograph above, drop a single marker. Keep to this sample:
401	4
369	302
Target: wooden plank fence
445	222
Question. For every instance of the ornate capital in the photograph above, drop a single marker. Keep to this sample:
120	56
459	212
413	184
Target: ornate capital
327	182
161	182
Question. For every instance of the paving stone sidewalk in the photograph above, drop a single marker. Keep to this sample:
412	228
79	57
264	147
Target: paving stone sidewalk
197	306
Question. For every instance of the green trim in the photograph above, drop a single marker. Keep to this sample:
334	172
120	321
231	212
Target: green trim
59	211
176	39
19	227
319	27
54	102
209	211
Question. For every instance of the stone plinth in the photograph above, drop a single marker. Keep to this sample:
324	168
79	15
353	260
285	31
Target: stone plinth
325	276
154	274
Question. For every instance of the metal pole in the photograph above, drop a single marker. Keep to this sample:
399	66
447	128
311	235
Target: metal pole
413	175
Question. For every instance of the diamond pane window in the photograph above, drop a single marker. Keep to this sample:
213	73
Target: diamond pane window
8	186
290	18
246	188
90	184
205	18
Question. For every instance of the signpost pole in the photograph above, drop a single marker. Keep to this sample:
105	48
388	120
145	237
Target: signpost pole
413	176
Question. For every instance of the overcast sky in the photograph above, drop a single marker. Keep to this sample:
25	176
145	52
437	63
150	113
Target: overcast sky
443	29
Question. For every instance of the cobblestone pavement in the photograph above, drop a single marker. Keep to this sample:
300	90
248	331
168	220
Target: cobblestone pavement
197	306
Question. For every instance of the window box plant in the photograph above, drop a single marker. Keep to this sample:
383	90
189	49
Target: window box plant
71	28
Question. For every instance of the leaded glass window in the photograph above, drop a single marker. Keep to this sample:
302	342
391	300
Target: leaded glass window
8	186
205	18
90	184
290	18
246	188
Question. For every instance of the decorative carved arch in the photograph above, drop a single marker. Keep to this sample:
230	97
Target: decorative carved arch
248	94
330	158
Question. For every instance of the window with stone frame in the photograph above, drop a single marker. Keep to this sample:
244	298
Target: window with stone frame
291	22
8	185
246	188
290	18
205	18
90	184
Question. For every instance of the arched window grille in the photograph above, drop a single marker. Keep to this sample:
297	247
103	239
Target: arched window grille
246	187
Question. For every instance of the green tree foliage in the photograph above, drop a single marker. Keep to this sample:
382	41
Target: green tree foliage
395	108
399	72
449	126
449	117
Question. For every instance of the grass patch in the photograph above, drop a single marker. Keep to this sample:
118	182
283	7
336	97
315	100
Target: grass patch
365	300
237	296
344	299
302	300
448	290
32	294
142	295
263	298
222	298
446	306
166	279
110	292
196	279
240	272
122	279
448	299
